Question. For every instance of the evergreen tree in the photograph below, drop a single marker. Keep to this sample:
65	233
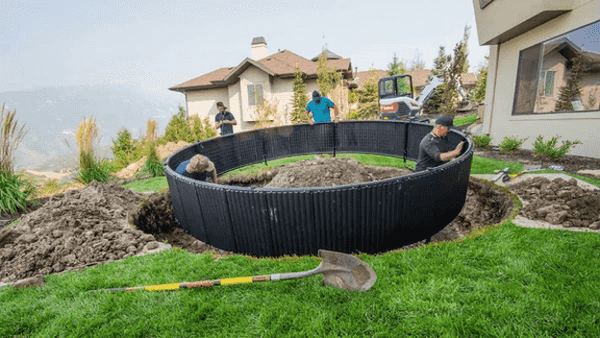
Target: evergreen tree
122	148
572	89
300	97
440	61
465	51
178	128
478	94
396	67
327	77
368	98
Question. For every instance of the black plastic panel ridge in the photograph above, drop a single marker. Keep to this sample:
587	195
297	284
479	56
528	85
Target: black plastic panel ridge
369	217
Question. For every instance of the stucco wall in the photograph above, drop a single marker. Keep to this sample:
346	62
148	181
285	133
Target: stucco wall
204	103
499	121
252	76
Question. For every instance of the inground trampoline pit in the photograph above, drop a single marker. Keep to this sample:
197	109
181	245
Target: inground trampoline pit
370	217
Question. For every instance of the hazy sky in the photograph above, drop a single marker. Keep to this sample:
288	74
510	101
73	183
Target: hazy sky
157	44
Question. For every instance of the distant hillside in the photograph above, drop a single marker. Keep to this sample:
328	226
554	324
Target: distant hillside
52	115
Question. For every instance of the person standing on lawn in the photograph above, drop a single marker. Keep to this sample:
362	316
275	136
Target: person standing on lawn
319	109
434	149
224	120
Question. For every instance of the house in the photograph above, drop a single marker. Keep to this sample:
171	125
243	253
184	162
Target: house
533	45
260	78
420	77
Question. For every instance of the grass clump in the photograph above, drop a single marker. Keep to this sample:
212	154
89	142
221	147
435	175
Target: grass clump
90	168
550	149
153	167
482	141
14	189
510	144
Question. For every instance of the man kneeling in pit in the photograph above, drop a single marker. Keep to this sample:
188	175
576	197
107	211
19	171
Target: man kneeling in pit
199	168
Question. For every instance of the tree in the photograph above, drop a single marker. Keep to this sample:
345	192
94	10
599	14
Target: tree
440	61
478	93
368	99
572	89
122	148
465	51
396	67
178	128
300	98
417	62
327	77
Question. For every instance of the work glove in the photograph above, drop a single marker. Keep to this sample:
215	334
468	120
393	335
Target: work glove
311	122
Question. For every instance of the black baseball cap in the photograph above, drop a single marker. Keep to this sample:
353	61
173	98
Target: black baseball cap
444	120
315	94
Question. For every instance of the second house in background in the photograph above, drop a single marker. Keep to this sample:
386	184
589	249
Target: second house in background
261	78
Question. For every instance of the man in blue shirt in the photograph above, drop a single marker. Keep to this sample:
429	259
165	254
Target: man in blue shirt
319	107
224	120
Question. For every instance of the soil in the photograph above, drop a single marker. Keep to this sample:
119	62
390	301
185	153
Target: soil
559	202
81	228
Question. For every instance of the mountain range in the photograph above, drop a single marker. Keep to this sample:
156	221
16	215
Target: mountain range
51	116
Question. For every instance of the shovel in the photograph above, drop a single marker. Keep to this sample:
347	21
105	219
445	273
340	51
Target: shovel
340	270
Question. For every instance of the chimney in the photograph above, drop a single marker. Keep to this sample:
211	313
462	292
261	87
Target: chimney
259	48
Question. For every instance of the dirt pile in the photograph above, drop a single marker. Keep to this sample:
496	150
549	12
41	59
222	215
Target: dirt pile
78	229
559	202
157	217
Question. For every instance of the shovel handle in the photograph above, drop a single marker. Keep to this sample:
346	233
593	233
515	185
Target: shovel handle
193	285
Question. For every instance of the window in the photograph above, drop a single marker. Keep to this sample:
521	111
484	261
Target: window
387	87
403	86
255	94
560	74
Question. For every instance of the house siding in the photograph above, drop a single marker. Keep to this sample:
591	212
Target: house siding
203	103
252	76
504	59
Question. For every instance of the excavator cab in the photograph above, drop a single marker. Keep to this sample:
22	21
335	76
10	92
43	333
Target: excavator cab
396	98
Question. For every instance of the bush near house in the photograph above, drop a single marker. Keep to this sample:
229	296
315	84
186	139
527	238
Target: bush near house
510	144
550	149
482	141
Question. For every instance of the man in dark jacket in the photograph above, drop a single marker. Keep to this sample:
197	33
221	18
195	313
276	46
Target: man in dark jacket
434	149
224	120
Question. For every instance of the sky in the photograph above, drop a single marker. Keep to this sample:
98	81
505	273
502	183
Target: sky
153	45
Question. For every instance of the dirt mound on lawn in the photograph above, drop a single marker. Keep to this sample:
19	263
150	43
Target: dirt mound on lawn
81	228
317	173
560	202
163	151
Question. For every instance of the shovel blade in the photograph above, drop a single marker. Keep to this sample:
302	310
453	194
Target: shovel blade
345	271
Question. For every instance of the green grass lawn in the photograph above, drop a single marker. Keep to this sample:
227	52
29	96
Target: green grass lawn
510	282
459	121
500	281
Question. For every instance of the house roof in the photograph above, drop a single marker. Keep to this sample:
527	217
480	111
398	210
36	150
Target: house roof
419	77
280	64
328	54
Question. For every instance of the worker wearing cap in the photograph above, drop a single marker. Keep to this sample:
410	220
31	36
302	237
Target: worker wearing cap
224	120
199	167
434	149
319	108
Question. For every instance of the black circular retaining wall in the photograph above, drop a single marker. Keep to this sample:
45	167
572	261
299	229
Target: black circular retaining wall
368	217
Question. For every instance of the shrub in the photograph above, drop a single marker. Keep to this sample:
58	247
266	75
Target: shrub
153	167
90	169
14	191
353	115
510	144
482	141
201	129
549	148
122	149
